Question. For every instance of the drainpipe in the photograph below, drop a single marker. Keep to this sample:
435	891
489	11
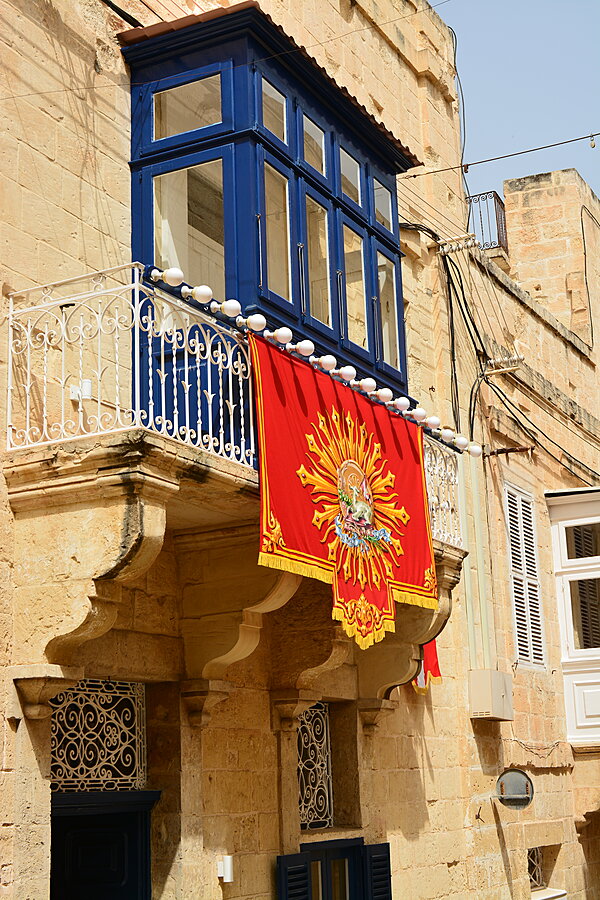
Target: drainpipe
467	566
481	576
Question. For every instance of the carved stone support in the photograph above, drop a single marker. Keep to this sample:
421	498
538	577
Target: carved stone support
88	518
225	596
372	712
36	685
199	696
397	659
288	706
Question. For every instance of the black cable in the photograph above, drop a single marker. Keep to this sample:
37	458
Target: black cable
127	17
463	119
467	314
584	208
454	396
478	162
473	397
534	436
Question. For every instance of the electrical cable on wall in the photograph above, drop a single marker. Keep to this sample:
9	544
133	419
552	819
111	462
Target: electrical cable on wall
584	208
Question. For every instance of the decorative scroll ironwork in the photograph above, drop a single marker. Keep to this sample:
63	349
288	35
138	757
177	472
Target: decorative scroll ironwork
487	218
109	353
535	867
314	768
98	737
441	470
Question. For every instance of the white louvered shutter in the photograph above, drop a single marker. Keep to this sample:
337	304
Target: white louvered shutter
525	578
589	612
583	541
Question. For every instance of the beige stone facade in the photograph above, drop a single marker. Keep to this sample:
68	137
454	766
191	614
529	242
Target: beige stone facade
130	556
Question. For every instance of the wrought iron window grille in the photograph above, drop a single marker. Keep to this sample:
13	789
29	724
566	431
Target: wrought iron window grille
98	737
315	793
535	867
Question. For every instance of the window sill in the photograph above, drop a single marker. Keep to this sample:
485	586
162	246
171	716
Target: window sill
548	893
330	834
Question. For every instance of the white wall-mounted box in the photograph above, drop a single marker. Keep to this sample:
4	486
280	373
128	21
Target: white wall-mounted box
490	695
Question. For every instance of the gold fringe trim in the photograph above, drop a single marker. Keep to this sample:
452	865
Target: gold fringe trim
363	641
414	599
285	564
430	678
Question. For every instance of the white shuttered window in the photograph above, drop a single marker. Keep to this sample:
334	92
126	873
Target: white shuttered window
524	577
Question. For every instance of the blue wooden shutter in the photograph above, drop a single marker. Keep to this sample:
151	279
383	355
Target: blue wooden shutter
378	872
293	877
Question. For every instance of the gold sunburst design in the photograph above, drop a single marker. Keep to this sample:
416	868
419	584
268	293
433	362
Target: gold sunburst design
358	516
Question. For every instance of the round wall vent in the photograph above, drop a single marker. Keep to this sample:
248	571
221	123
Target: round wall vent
514	788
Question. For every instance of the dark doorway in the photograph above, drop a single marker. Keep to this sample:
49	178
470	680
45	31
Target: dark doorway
101	845
336	870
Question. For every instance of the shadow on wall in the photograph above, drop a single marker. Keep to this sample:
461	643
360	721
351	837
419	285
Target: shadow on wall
409	813
164	768
488	740
589	839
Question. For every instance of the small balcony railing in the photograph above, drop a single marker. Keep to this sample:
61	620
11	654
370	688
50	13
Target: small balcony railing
487	219
108	352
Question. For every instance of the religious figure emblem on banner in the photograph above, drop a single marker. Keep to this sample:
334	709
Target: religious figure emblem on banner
360	520
343	494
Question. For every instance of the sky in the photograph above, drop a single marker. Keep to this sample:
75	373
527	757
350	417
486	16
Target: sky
529	72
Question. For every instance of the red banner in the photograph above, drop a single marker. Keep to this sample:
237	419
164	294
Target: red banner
343	496
430	669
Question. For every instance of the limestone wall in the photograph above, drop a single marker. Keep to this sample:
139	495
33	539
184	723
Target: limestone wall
427	773
553	220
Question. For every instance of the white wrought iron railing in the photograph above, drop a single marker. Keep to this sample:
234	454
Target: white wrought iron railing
107	353
441	471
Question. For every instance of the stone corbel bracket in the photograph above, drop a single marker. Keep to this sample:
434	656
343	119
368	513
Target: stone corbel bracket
36	685
372	712
225	597
288	705
199	696
397	659
89	517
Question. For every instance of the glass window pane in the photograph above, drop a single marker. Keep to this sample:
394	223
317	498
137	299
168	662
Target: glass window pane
316	880
314	145
583	540
339	879
187	107
189	224
386	272
318	261
383	205
356	295
273	103
350	176
585	605
277	232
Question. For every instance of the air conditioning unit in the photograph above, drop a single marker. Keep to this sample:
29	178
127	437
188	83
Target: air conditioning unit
490	695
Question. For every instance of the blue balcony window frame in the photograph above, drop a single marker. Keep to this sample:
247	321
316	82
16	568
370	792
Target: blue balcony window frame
386	234
362	209
149	145
145	196
332	332
244	47
287	147
378	246
325	181
367	355
267	158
